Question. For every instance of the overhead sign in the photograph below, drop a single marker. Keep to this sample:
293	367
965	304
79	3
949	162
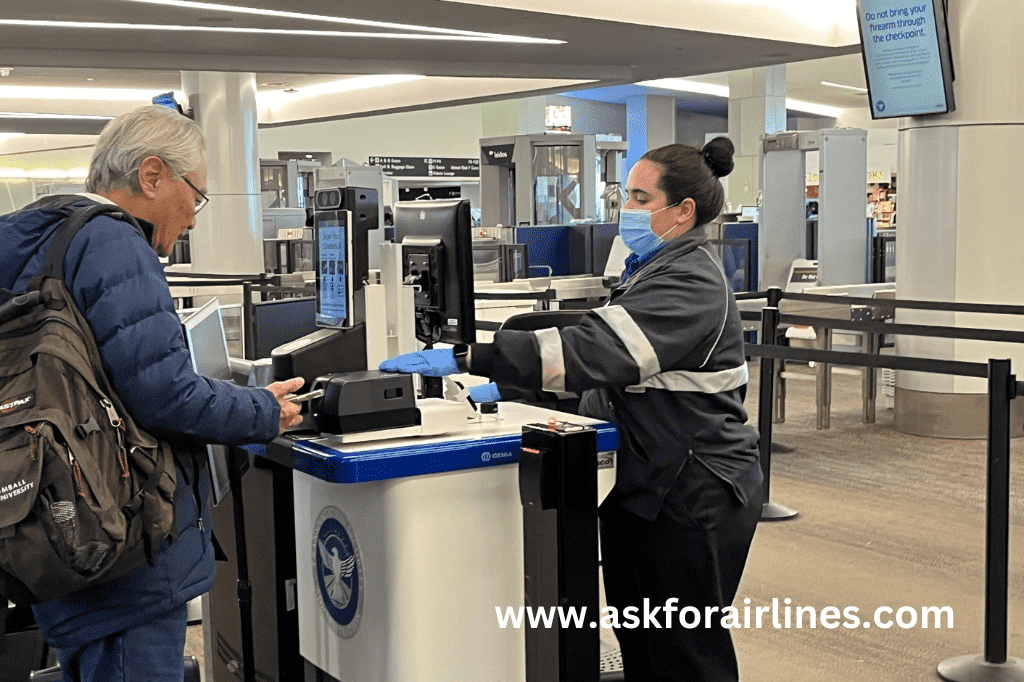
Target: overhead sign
428	167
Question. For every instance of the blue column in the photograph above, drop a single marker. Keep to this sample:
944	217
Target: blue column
650	123
636	132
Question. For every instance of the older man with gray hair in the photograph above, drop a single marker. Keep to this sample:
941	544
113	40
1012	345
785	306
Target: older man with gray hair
150	163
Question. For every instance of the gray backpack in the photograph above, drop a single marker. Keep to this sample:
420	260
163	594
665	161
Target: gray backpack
85	495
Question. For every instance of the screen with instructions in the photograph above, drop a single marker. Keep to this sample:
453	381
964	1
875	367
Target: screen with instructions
333	301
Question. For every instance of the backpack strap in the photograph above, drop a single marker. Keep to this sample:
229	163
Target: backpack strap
54	266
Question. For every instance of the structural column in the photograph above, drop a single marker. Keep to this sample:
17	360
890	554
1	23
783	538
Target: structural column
228	236
957	175
514	117
650	123
757	107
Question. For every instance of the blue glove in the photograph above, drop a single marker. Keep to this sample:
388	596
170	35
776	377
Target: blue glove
485	393
437	362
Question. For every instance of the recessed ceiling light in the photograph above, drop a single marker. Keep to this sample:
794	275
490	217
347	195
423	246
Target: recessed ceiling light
87	93
137	95
48	174
19	114
862	91
684	85
344	85
376	35
7	173
813	108
208	6
821	15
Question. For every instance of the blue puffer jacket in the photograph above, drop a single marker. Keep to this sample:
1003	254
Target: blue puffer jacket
119	285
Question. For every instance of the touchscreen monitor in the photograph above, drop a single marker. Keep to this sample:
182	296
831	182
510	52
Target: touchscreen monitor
334	286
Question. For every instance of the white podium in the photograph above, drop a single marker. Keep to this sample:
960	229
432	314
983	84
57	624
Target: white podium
406	547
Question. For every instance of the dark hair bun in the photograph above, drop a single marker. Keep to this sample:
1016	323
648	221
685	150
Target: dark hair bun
718	155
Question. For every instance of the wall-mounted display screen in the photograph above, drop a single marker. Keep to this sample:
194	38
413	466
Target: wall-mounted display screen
558	117
905	45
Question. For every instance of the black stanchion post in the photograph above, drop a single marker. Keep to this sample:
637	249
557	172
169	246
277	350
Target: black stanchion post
248	325
774	297
997	530
994	666
238	463
770	511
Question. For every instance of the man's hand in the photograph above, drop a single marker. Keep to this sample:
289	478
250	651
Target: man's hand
289	411
437	362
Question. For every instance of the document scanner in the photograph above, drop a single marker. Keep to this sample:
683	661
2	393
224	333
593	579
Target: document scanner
374	405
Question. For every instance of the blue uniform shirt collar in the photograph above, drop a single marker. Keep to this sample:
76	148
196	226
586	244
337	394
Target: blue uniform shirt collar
635	262
687	241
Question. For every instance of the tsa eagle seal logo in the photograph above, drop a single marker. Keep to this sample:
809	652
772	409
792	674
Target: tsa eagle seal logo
338	570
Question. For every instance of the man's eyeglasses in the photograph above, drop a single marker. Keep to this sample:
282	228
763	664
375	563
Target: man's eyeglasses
201	199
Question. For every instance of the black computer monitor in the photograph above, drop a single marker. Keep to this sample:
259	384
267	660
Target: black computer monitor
275	323
437	254
334	253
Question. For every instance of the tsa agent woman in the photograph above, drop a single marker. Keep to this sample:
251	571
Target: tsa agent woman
664	362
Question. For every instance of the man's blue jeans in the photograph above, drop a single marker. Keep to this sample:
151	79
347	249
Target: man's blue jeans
152	652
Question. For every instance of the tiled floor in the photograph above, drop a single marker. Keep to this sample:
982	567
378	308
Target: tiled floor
886	519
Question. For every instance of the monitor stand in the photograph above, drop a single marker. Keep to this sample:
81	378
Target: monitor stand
325	351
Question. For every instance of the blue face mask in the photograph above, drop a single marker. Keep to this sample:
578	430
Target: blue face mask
635	230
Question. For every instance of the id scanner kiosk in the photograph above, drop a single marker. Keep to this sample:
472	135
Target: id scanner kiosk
418	521
356	398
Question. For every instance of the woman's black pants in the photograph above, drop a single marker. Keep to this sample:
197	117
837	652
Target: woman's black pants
694	552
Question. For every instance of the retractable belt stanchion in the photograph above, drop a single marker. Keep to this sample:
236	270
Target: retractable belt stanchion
774	297
771	511
993	665
248	333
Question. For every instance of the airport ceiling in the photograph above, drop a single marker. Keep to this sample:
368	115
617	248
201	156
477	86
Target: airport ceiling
49	43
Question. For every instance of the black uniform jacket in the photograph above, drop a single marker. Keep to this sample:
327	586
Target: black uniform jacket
663	361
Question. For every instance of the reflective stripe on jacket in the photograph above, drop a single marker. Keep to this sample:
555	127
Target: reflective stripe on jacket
663	360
